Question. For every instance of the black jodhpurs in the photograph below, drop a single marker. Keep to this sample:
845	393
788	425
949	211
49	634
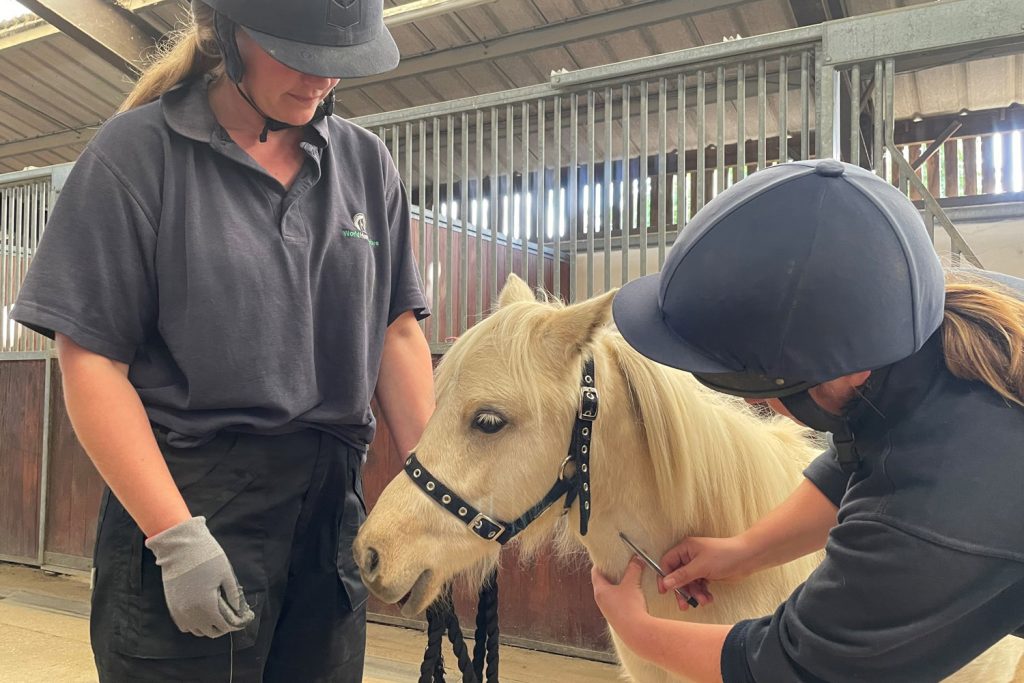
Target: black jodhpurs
286	509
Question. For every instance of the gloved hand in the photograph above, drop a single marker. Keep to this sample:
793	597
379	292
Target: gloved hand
200	587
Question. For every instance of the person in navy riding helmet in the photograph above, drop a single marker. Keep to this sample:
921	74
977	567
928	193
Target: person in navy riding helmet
229	276
812	287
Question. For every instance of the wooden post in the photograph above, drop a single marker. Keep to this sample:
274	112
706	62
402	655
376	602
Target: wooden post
970	166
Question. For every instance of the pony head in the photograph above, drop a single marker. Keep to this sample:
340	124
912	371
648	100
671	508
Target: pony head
501	429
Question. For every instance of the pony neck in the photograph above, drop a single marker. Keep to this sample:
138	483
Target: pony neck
669	460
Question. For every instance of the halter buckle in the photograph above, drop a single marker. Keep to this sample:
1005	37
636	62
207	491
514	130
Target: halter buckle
476	525
588	404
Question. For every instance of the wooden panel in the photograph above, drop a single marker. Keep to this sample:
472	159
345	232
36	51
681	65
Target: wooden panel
952	167
988	164
21	446
970	166
543	601
75	486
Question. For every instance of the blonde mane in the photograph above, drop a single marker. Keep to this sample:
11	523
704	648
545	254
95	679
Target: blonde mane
703	444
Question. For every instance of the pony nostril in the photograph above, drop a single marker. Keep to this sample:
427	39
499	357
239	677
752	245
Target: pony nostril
372	560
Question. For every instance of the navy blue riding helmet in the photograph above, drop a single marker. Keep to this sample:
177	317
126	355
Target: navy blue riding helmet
327	38
800	274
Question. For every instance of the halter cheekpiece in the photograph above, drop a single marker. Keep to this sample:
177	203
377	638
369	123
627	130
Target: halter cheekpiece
571	486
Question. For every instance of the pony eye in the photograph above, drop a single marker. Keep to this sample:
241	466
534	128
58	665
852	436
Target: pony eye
488	422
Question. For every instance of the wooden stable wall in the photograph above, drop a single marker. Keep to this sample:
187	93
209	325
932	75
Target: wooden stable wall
545	604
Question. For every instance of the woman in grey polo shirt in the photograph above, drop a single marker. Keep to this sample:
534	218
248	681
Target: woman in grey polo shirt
813	287
229	276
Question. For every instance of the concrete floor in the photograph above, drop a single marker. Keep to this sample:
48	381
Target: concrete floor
44	638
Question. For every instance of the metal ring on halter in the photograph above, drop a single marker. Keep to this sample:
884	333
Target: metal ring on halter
561	469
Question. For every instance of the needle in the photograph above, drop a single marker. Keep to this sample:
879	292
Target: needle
656	567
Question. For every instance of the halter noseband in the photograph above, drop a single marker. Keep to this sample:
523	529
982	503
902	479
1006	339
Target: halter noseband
575	486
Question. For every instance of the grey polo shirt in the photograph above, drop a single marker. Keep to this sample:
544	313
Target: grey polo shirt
238	304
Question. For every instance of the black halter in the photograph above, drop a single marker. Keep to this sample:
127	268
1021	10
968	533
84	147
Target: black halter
572	486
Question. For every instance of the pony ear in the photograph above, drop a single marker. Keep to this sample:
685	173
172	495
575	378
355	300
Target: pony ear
514	291
575	326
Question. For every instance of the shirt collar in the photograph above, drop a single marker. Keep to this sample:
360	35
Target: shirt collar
186	109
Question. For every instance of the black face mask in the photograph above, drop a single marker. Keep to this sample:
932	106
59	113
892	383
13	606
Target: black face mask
234	67
805	409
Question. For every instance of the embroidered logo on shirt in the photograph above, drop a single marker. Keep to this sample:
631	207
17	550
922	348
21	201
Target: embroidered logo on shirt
359	231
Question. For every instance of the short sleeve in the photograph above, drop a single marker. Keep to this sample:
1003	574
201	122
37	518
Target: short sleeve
825	473
406	288
883	606
92	276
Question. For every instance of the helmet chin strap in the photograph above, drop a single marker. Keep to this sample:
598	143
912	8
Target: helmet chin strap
324	109
804	408
234	67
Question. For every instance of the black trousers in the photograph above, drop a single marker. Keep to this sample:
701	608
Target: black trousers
285	509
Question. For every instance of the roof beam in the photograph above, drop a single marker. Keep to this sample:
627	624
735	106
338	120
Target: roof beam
49	141
113	33
591	26
418	10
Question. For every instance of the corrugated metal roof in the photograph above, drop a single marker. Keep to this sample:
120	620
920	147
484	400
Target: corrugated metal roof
53	91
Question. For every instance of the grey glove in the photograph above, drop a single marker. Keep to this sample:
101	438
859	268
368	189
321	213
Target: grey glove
200	587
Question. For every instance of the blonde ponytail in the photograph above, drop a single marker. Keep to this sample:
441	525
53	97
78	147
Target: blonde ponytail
188	52
983	335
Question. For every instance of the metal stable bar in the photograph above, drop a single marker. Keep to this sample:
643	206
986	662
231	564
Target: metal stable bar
524	211
6	256
495	202
825	97
702	140
478	217
556	270
663	186
609	190
682	205
741	121
510	209
720	130
805	105
855	115
626	218
425	268
20	248
783	109
435	211
33	238
762	115
542	192
590	225
574	204
465	216
643	204
879	144
449	194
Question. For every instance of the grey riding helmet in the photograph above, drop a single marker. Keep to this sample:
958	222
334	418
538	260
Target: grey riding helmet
327	38
800	274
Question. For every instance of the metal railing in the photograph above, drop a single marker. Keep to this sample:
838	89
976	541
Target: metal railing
25	201
594	168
